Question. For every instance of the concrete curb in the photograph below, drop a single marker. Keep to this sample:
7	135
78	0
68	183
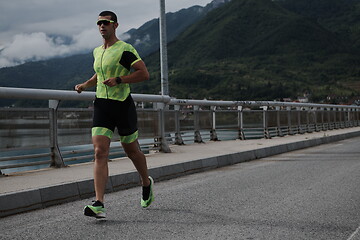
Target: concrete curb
17	202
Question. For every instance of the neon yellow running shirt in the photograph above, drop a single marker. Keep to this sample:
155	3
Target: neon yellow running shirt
115	61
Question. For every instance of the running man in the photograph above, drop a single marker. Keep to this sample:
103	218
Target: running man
116	64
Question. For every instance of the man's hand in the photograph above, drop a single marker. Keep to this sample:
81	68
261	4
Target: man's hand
110	82
79	88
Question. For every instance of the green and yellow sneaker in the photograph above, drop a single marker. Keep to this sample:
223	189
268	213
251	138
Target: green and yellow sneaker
148	194
96	210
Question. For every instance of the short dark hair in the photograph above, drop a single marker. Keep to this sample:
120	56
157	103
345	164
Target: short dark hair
109	13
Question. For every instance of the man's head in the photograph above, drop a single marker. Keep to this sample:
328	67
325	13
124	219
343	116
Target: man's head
107	22
109	13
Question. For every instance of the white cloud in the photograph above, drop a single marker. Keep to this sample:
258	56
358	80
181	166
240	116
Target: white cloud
87	39
145	39
39	46
34	46
125	36
30	35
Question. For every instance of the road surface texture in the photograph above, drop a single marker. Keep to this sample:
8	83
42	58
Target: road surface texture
307	194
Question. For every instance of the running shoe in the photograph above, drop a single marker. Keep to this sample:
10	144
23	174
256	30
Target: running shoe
148	194
96	210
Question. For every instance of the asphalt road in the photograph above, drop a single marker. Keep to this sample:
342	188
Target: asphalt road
307	194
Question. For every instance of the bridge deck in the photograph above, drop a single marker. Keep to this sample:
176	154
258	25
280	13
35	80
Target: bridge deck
38	189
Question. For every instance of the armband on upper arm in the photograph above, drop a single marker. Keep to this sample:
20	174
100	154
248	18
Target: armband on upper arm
127	59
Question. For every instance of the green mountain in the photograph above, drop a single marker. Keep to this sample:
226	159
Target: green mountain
146	38
340	17
259	50
243	50
252	28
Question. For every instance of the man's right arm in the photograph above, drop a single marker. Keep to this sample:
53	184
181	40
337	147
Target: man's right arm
89	83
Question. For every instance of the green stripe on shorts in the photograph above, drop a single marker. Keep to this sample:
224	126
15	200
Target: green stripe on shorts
102	131
130	138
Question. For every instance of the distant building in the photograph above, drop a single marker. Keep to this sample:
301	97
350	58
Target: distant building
303	99
354	101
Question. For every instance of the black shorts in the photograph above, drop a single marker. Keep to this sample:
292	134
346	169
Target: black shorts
110	113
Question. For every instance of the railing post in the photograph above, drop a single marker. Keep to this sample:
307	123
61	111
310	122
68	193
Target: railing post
336	113
330	125
341	121
197	135
340	118
299	129
56	157
326	119
213	135
290	131
265	122
164	147
323	128
178	138
354	117
307	120
279	131
241	133
312	114
345	118
316	119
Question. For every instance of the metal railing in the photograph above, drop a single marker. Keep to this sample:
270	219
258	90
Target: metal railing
55	136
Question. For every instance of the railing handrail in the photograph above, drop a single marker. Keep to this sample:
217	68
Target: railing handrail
175	101
48	94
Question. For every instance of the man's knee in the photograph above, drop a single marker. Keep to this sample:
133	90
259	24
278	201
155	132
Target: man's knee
101	152
101	147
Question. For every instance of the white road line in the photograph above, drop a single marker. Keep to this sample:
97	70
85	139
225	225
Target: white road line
354	234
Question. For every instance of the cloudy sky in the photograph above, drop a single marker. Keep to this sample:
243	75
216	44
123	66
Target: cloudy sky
41	29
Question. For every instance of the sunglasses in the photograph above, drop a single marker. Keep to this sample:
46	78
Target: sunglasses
104	21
